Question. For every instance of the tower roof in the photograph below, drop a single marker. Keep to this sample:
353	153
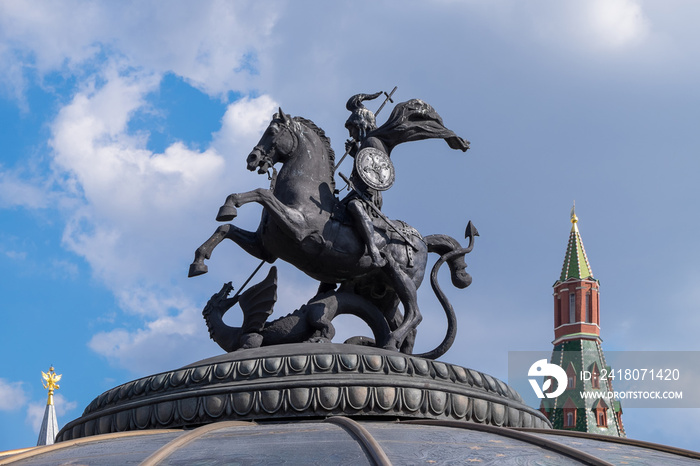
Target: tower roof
575	262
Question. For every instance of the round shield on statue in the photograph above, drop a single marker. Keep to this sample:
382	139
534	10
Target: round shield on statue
374	167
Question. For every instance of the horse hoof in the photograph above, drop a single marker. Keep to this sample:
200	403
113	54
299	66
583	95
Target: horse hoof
226	213
197	269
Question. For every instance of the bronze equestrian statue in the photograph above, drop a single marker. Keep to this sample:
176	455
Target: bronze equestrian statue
304	223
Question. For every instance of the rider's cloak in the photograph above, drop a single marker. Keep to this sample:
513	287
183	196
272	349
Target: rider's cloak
413	120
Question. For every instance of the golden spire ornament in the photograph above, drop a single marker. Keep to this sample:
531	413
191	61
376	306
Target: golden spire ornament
574	218
50	383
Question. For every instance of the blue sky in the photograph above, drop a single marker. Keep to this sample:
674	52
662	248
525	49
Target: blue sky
125	125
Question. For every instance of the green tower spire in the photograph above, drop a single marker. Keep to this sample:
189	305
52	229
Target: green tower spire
575	261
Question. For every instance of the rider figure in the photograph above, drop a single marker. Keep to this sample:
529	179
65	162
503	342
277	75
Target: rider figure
359	124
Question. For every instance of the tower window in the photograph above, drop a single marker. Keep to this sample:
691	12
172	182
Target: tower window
557	314
569	417
588	307
600	411
569	414
572	308
601	414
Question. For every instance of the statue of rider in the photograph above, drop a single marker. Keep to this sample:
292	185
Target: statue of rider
413	120
360	123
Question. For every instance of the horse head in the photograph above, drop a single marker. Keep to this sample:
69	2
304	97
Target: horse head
278	142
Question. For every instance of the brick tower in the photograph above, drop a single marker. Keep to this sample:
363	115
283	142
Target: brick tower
577	348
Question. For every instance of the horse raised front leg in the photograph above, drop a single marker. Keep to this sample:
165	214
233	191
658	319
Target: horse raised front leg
248	240
228	212
291	221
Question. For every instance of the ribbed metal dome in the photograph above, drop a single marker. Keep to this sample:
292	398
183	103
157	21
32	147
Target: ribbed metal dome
303	381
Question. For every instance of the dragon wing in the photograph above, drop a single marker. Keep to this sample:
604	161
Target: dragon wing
257	303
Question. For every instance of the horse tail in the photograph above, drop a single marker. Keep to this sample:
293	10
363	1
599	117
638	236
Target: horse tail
453	253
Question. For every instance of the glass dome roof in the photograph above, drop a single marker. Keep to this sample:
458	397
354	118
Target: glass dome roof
342	440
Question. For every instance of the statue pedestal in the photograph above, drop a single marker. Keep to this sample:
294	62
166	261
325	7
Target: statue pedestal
305	380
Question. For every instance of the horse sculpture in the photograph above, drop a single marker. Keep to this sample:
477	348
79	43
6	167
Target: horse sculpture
303	223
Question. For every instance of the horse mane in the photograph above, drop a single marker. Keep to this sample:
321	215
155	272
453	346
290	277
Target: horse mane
324	139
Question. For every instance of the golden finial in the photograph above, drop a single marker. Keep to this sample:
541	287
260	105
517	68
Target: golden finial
574	218
51	378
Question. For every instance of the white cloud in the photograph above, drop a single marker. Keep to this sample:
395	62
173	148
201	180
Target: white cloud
12	395
16	192
15	255
64	268
52	34
211	44
580	28
35	415
168	341
127	191
243	123
590	27
615	23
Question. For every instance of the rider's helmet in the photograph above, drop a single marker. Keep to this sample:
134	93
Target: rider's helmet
361	118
